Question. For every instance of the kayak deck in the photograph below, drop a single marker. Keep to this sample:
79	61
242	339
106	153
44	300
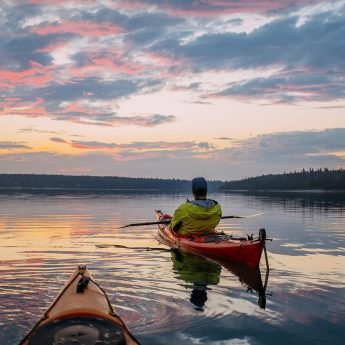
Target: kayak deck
217	245
80	314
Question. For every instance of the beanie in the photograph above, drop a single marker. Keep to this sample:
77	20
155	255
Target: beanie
199	186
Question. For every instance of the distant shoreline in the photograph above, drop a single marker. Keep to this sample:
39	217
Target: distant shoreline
282	191
61	190
79	189
311	181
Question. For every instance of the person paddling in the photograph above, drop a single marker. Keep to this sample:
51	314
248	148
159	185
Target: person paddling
198	215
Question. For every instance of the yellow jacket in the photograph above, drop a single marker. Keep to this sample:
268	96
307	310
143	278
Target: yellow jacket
190	217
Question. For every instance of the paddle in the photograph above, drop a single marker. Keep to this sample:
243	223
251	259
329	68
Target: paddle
126	247
164	221
167	221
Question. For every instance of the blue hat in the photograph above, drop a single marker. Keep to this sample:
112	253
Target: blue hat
199	186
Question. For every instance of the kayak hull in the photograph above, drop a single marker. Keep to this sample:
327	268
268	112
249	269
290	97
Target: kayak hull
81	309
221	246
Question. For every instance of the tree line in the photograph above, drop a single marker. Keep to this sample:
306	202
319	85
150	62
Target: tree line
303	180
67	182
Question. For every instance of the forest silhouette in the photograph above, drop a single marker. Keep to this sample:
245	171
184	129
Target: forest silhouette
320	179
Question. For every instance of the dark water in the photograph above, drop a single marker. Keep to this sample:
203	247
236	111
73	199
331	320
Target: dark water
173	298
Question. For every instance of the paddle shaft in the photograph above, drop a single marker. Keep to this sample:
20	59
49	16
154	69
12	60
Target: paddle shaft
167	221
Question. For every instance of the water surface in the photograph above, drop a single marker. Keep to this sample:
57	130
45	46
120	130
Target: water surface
171	298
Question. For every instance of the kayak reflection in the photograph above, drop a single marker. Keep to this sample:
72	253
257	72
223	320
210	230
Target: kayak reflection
199	273
250	277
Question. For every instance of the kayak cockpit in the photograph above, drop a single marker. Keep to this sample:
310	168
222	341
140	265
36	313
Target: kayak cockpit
213	237
80	315
86	330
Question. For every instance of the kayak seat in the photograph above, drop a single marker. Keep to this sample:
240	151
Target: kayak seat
204	237
78	330
210	238
215	238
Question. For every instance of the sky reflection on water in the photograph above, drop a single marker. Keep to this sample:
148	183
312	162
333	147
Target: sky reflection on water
44	237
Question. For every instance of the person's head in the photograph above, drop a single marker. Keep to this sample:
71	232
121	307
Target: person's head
199	187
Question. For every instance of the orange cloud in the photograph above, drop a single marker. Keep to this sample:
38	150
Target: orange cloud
92	145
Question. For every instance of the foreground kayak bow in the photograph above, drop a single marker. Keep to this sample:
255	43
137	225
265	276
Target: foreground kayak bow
213	244
81	314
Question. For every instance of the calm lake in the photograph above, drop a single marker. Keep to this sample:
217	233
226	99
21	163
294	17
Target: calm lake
165	298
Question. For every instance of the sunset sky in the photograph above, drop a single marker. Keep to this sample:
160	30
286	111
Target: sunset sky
172	89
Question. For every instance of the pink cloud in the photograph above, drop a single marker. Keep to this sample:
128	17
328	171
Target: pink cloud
35	76
14	106
208	8
166	66
108	62
100	65
52	2
85	145
162	59
29	112
76	108
80	28
137	149
51	47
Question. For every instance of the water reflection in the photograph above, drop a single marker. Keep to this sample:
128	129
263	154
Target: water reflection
199	273
250	277
42	237
312	200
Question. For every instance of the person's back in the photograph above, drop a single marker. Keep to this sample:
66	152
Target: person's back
198	215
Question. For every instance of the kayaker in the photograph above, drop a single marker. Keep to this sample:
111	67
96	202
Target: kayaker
198	215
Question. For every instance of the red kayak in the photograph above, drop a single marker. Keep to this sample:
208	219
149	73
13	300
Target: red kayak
213	244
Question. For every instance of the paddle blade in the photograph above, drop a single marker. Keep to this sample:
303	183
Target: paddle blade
250	216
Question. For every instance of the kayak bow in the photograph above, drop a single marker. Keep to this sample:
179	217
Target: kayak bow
80	314
213	244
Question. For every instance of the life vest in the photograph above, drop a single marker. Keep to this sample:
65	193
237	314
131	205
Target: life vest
189	218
